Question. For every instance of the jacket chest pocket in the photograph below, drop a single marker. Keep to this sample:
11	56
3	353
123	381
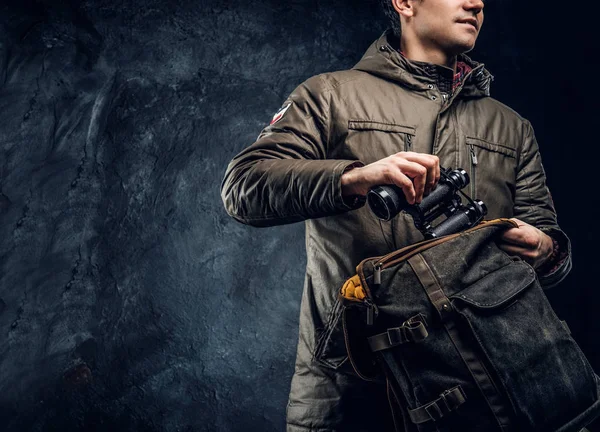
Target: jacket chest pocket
492	170
371	141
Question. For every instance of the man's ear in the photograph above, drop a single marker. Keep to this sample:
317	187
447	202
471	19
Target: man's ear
404	7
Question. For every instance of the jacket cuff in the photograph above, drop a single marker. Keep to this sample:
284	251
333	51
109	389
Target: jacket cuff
554	272
349	202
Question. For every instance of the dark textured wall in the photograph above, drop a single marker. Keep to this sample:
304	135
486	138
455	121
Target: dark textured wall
129	300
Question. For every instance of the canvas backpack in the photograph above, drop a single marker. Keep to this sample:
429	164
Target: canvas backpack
466	339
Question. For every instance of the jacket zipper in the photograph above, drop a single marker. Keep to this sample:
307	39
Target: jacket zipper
408	142
473	169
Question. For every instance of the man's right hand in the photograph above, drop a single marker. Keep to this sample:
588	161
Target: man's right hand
415	173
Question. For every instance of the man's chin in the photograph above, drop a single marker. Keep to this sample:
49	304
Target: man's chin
462	48
470	48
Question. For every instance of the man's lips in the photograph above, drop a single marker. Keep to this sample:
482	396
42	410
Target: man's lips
471	21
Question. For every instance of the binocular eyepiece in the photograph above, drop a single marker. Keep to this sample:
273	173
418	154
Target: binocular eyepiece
386	201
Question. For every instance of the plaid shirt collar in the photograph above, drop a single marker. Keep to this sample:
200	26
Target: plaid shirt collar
462	70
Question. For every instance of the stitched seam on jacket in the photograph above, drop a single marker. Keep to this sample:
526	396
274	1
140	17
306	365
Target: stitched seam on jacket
333	86
528	183
325	334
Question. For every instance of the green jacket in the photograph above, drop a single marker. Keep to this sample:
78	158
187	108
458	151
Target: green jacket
385	104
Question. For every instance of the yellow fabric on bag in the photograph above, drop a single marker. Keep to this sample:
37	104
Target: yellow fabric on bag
353	289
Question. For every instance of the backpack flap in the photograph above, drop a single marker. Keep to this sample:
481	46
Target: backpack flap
497	289
527	348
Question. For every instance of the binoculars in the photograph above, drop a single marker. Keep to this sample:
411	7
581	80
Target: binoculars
386	201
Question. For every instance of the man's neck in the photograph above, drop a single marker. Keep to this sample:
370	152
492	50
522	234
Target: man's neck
423	54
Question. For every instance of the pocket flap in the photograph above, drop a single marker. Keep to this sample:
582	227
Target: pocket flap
499	287
498	148
378	126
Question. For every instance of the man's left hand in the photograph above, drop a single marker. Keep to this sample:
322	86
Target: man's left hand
527	242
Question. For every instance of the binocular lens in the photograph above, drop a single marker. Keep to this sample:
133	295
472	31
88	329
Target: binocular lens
386	201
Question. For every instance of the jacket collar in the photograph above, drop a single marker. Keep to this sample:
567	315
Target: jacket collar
383	60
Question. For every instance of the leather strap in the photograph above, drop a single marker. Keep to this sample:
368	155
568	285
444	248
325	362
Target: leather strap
435	410
440	301
412	330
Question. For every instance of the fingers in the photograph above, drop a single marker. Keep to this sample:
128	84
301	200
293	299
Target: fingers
528	242
415	173
525	236
418	174
397	177
513	249
528	255
431	164
519	222
514	236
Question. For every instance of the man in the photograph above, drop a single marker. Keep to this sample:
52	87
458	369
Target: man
413	102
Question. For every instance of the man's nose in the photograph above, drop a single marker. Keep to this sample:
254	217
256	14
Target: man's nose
474	6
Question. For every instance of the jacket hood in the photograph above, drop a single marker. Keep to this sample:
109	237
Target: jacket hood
383	60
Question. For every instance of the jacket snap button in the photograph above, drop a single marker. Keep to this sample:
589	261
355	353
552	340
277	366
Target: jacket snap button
445	306
382	48
433	98
430	86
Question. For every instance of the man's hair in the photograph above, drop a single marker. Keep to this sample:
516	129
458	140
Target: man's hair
392	15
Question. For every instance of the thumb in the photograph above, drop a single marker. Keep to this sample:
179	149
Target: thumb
519	222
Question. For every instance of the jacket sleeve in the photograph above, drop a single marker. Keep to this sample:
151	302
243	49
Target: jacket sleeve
285	175
534	205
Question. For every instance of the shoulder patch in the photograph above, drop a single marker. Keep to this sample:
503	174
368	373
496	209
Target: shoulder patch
279	114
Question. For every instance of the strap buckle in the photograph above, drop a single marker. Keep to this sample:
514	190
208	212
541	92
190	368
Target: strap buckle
457	398
452	399
444	398
396	336
435	412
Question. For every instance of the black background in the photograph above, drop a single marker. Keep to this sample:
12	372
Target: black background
129	300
